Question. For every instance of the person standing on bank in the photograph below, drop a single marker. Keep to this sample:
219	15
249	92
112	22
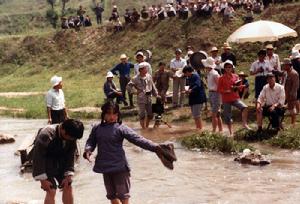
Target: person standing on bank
145	88
123	69
196	94
55	101
53	158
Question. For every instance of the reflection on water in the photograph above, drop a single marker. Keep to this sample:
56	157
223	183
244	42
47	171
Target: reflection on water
197	178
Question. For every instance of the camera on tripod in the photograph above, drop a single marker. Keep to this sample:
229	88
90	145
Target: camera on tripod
158	109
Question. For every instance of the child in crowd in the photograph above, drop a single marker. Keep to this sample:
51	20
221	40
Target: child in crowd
243	85
108	137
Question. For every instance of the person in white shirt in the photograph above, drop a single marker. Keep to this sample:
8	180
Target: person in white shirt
273	58
177	64
213	94
217	59
141	58
270	102
55	101
260	68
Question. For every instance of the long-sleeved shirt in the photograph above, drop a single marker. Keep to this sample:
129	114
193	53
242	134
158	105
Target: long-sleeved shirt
123	69
228	56
197	94
52	155
291	85
225	87
269	96
109	88
145	88
274	61
108	138
265	65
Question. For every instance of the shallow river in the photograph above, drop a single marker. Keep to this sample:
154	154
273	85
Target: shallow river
197	177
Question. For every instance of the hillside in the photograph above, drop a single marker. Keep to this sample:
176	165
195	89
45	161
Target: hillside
83	58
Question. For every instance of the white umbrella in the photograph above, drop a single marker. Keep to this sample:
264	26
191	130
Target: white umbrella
261	31
296	47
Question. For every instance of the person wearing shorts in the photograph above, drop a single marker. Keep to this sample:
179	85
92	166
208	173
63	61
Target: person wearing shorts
213	95
145	88
53	158
229	91
111	161
196	94
291	88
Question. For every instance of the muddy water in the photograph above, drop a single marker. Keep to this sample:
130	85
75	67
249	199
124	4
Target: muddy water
197	178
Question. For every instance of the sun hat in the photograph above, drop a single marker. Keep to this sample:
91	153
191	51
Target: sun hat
143	64
109	75
209	62
295	54
270	47
190	52
226	46
228	62
214	49
123	56
243	74
178	50
286	61
139	54
55	80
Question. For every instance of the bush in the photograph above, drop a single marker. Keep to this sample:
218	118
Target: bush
208	141
253	135
52	17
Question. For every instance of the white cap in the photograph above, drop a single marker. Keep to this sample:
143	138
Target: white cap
295	54
55	80
143	64
109	74
209	62
228	62
139	53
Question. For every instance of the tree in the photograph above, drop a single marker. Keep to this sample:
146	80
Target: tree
51	2
64	6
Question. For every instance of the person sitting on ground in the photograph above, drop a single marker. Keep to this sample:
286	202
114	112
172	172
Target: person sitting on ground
145	88
161	13
260	68
144	13
161	79
114	14
213	95
108	137
152	12
53	158
64	23
207	8
228	89
127	16
77	23
183	12
291	88
248	18
123	70
110	90
171	12
243	86
270	103
135	16
196	94
71	23
87	21
227	54
55	101
228	13
80	13
118	26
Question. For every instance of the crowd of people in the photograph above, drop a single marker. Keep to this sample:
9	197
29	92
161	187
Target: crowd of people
219	79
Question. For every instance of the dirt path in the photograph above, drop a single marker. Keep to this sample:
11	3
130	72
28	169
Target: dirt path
20	94
16	110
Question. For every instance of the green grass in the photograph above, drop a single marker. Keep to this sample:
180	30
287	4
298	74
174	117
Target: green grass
208	141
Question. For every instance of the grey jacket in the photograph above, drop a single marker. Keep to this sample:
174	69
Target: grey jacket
109	141
52	155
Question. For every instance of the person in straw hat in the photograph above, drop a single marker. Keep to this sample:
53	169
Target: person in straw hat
291	88
213	95
217	59
296	65
244	85
272	58
123	70
55	101
227	54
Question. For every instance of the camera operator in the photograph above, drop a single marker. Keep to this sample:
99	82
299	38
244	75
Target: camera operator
260	68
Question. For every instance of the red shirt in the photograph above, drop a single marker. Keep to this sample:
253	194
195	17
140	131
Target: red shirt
224	86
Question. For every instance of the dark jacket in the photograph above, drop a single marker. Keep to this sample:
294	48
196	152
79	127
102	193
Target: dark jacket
197	95
229	56
52	155
108	138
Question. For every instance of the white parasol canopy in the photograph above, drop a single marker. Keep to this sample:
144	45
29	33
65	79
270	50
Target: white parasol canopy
296	47
261	31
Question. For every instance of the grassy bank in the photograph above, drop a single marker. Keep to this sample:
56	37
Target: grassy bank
209	141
